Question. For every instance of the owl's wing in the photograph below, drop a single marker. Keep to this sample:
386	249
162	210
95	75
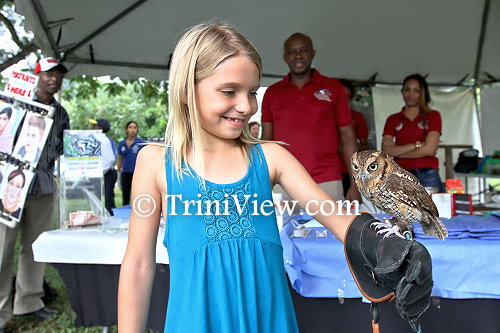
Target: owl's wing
409	191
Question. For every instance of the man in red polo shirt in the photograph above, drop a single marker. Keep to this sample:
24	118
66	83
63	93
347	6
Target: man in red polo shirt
310	113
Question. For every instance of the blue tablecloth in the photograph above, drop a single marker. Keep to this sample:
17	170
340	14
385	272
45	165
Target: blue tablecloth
462	268
465	226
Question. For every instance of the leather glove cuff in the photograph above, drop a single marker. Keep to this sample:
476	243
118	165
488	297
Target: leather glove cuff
389	268
360	247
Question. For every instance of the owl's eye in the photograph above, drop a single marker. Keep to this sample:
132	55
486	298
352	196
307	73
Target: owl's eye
355	167
373	167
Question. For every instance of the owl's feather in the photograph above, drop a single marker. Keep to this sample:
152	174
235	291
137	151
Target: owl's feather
394	190
421	201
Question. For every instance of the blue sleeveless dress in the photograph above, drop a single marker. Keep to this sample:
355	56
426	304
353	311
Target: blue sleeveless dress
226	269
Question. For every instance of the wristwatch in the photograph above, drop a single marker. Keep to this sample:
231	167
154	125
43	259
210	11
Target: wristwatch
418	144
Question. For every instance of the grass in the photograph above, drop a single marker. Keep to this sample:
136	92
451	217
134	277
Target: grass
64	321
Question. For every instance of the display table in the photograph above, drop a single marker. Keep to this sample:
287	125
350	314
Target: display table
482	182
317	266
448	157
91	245
88	262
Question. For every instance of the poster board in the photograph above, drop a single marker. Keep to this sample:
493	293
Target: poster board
22	84
81	185
18	159
82	154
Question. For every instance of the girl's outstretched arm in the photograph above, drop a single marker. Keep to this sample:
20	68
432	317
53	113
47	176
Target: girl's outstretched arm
284	169
138	267
393	261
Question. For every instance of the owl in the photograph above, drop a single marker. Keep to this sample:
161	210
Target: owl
396	191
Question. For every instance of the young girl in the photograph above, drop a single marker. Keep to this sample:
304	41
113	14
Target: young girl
226	263
128	149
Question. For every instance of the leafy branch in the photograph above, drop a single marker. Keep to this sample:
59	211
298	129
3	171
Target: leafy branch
25	46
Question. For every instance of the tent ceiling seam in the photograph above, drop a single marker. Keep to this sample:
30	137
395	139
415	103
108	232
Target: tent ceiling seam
45	25
54	24
116	63
104	27
266	75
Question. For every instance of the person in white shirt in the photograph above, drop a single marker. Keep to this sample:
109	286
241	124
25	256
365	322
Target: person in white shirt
108	156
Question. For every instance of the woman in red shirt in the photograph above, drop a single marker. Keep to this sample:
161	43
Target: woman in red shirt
412	135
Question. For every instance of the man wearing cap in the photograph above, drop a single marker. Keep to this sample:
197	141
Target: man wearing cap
108	158
37	212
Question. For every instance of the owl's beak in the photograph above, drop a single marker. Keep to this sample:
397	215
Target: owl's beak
362	178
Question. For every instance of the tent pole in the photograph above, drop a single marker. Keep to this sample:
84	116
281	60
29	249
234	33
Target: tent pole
477	66
482	34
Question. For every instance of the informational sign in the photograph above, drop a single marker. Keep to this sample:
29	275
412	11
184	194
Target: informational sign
82	154
22	84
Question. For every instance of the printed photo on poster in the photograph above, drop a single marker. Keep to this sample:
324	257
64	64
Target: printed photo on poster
10	118
82	154
13	190
82	143
33	135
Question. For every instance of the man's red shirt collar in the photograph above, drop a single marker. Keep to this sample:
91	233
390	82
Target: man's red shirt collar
315	78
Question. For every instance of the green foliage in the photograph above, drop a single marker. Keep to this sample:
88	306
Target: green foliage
9	3
80	87
17	43
119	102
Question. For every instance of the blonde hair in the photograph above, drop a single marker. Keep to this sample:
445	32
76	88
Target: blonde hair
197	55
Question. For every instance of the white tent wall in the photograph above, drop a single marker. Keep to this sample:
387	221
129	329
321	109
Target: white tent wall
490	118
458	114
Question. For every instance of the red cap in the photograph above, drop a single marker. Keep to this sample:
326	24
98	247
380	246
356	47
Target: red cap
46	64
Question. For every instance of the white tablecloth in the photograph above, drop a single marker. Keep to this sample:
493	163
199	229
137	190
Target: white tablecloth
94	245
89	246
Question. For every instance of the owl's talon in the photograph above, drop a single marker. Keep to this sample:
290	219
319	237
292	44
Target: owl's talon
394	231
388	229
382	225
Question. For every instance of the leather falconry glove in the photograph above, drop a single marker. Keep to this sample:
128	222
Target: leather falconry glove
389	268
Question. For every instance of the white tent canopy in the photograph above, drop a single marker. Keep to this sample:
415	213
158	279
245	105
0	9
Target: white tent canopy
385	40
